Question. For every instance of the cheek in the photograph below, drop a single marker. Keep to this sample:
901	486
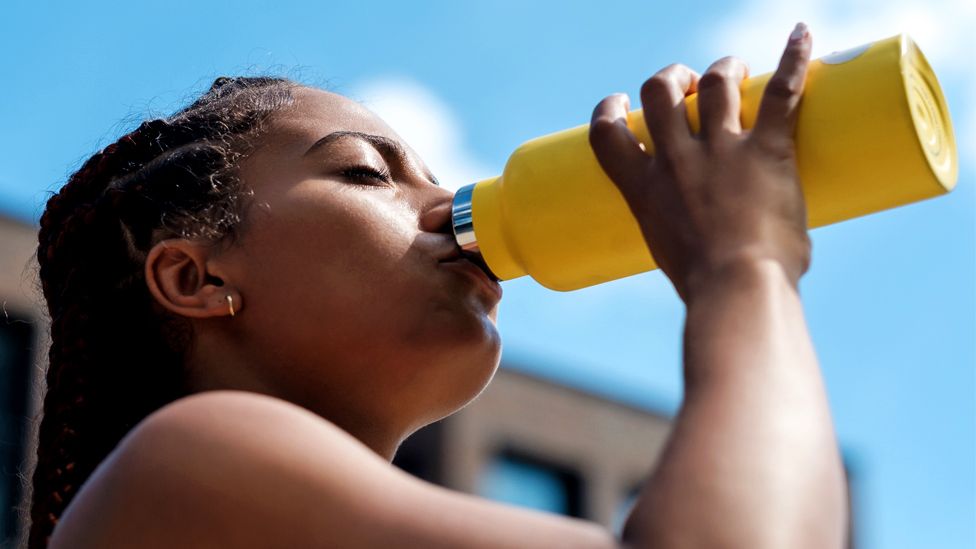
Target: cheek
346	262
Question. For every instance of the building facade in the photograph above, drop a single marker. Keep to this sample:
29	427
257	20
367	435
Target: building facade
23	344
529	441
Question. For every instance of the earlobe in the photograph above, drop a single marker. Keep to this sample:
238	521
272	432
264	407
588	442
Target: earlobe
177	278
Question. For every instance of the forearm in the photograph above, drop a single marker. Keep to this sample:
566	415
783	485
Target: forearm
752	460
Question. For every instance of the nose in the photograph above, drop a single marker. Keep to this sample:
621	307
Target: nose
436	215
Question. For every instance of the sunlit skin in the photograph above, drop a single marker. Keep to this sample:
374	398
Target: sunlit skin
342	307
341	303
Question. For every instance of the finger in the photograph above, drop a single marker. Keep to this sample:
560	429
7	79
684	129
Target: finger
617	149
720	98
776	121
663	97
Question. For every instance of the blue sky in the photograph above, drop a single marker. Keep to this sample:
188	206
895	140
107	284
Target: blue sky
890	298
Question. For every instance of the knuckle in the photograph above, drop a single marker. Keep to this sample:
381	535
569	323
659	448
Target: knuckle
606	102
671	69
601	128
604	110
656	86
714	78
782	87
663	80
601	106
730	67
723	64
598	112
736	64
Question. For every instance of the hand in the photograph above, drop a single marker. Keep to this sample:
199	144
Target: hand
711	201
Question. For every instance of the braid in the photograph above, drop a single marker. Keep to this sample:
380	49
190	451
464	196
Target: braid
115	356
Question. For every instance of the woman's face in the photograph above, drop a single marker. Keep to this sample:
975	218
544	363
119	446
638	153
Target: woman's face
346	307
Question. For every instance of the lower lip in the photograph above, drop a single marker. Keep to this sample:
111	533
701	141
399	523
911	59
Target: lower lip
474	271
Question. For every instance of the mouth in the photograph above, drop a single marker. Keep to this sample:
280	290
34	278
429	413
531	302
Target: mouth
480	263
473	258
474	266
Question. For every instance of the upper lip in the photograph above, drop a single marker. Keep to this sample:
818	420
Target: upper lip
458	253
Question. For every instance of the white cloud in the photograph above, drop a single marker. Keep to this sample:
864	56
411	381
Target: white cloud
943	30
428	125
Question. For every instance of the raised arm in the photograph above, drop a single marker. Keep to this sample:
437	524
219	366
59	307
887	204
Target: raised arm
752	460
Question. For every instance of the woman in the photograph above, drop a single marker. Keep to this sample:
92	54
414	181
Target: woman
255	300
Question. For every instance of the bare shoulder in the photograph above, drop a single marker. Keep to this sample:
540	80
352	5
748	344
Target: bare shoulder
185	474
235	469
176	471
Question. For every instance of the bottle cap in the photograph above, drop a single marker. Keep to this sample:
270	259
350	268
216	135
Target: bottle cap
462	221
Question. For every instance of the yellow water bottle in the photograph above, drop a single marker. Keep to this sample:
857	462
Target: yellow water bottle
873	132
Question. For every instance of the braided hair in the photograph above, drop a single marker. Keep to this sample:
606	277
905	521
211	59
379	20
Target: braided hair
116	355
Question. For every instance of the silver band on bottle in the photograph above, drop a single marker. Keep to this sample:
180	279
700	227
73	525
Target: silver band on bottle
462	221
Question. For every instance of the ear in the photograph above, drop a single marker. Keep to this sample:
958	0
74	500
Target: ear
182	277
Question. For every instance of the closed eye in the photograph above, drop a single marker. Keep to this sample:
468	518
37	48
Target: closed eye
366	173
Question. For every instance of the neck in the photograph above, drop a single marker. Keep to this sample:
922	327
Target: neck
220	365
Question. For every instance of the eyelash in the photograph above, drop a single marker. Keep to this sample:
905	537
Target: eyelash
366	172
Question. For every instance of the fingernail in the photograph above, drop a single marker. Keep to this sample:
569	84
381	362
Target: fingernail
799	32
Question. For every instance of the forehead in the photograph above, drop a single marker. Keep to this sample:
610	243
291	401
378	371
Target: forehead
316	113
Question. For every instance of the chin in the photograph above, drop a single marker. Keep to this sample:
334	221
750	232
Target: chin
464	332
460	378
454	355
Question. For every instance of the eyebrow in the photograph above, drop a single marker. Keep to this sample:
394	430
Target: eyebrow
385	145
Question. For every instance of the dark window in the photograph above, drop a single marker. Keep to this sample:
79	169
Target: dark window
529	481
15	368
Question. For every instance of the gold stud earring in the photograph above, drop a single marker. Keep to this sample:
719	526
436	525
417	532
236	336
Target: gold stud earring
230	304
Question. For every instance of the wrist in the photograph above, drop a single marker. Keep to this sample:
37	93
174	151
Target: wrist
736	275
